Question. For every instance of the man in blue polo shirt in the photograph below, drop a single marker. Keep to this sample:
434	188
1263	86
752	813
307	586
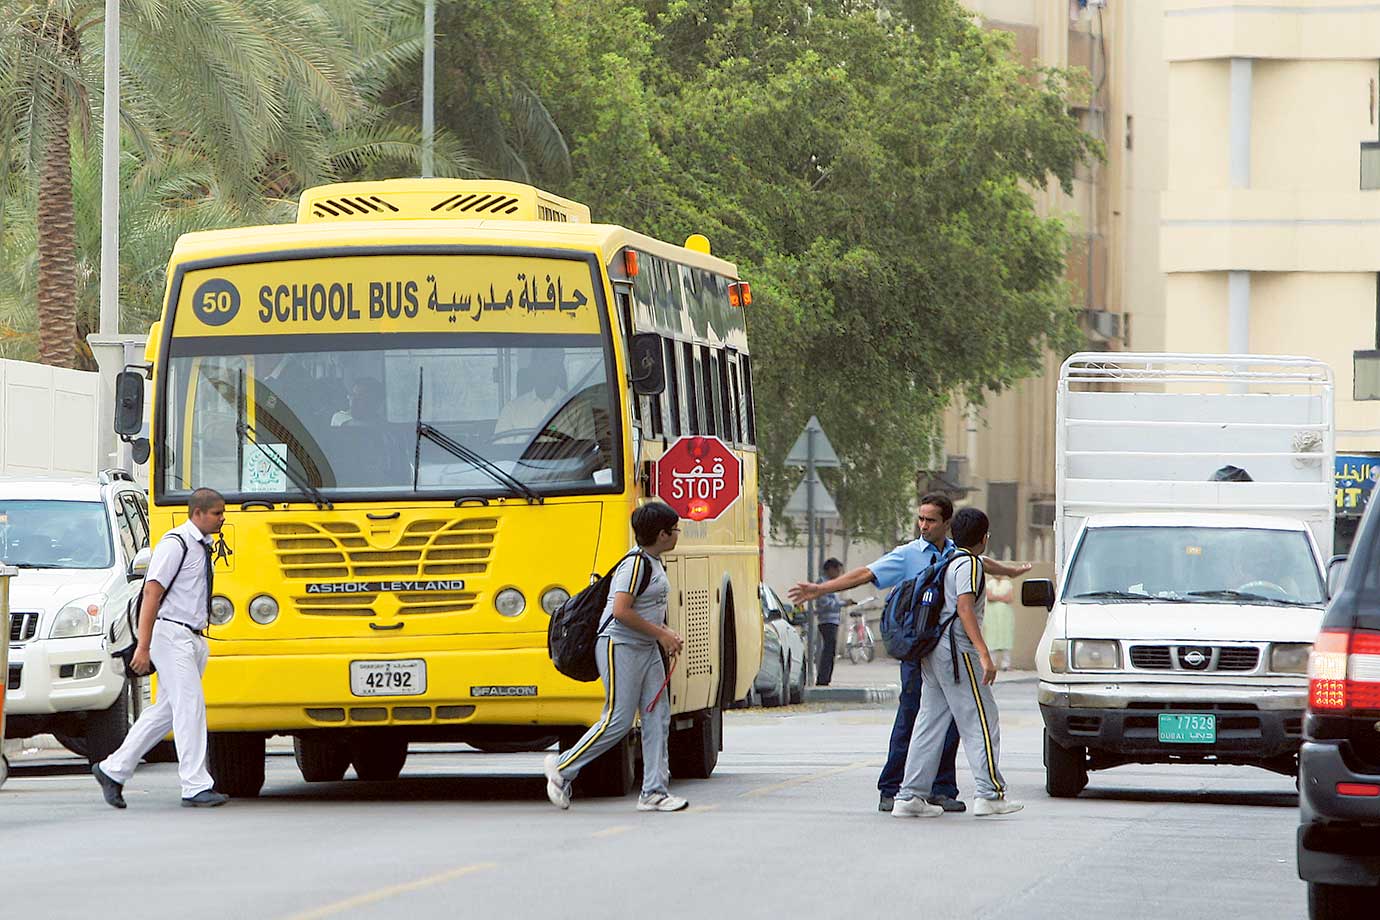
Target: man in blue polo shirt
907	561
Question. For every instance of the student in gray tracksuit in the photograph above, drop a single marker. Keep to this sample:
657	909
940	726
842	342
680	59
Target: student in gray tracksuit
632	637
957	684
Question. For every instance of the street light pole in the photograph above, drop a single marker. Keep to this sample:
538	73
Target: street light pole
429	91
110	175
810	624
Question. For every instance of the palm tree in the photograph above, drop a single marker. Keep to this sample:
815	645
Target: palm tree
258	91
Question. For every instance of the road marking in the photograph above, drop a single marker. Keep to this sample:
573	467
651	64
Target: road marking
372	897
800	780
613	831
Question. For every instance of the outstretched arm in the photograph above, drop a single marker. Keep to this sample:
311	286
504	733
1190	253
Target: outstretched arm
807	592
1005	569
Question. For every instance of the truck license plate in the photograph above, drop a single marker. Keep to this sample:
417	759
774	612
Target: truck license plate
388	678
1188	728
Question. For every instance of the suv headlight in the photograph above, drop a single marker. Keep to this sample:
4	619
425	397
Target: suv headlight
1290	658
82	617
1095	655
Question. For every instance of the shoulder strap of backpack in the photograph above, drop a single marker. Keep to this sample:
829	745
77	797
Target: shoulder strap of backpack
181	562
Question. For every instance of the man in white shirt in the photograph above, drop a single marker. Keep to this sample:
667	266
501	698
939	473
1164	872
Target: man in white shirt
176	606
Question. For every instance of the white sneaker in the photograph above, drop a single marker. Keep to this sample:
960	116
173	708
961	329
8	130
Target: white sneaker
661	801
557	789
985	807
915	808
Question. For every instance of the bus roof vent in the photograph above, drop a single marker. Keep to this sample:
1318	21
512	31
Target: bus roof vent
436	199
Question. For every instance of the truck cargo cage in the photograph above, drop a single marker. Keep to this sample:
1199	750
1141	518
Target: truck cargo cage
1147	432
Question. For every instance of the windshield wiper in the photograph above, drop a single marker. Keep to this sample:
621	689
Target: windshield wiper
1121	596
248	434
456	449
1232	595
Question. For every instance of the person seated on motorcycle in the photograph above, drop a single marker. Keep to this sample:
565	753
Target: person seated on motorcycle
827	609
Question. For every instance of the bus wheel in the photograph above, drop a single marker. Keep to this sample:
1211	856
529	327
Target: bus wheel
236	762
612	773
378	759
694	751
321	760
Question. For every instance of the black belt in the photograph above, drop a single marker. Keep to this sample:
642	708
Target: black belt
191	629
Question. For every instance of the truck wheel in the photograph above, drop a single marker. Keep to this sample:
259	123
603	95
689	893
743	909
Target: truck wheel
694	751
321	760
1066	769
1340	902
378	759
236	762
614	772
106	729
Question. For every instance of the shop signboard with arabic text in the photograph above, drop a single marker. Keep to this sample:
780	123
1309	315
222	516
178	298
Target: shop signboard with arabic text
699	477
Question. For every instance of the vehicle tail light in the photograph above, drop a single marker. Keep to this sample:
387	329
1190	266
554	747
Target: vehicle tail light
1365	790
1344	671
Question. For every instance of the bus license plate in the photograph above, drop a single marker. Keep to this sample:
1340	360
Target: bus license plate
1188	728
388	678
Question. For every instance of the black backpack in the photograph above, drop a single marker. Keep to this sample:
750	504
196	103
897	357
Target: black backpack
133	610
913	621
577	623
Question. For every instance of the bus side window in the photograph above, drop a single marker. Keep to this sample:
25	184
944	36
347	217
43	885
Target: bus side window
749	412
691	390
734	397
671	394
708	379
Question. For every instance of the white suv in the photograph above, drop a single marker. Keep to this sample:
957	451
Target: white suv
81	547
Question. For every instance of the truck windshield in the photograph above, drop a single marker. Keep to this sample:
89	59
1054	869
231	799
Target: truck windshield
346	420
1206	565
48	534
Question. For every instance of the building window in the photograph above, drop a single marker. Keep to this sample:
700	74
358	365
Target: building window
1365	374
1370	166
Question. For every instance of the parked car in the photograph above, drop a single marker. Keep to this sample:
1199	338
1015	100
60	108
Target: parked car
1339	763
781	679
81	547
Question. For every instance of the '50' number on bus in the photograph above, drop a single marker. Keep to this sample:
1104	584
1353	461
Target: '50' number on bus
216	302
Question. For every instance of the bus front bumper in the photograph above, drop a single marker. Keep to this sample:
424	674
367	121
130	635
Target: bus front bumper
295	692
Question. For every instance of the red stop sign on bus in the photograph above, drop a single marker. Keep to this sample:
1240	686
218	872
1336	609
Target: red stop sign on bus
699	477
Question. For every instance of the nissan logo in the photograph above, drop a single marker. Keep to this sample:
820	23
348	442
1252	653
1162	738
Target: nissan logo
1194	658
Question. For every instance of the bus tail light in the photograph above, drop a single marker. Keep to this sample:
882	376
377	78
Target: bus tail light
1344	671
739	294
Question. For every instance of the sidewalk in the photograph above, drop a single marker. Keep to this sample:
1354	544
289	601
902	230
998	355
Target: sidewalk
879	681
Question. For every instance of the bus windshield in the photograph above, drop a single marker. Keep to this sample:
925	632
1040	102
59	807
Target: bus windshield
531	415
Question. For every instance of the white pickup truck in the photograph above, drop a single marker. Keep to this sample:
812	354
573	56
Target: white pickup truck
1194	512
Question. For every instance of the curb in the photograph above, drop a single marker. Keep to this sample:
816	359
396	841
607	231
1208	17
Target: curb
888	694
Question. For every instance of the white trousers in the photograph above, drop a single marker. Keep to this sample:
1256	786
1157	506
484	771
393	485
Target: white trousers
180	657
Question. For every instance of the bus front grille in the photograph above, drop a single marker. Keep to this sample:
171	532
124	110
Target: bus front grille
426	549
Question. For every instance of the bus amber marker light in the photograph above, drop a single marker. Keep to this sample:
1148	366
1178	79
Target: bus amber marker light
630	262
739	294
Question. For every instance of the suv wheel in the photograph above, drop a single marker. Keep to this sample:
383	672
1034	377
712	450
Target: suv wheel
1340	902
105	730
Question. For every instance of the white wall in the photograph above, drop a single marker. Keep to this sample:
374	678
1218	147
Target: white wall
49	419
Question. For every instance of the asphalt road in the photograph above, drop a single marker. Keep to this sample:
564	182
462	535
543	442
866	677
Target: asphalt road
788	826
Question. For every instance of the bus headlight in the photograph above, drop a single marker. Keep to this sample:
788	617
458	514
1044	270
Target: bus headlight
221	610
1290	658
1095	655
509	602
263	610
553	598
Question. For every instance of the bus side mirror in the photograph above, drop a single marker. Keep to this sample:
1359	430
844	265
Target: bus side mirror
1038	592
129	404
1336	574
646	364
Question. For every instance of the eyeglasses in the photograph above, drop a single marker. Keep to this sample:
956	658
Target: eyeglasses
675	530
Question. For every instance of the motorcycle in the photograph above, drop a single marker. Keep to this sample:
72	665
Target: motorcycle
859	644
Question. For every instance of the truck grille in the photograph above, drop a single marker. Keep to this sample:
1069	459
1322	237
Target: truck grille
427	549
1198	658
23	626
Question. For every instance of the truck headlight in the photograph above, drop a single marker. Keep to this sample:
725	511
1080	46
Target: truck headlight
1095	655
82	617
263	610
1290	657
1059	656
552	599
509	602
221	610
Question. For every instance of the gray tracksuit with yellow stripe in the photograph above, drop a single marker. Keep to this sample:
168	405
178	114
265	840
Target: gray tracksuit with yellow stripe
632	670
966	700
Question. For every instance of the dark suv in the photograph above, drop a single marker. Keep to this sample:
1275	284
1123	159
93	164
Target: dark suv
1339	764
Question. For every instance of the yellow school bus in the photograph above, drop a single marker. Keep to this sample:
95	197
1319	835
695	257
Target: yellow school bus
417	402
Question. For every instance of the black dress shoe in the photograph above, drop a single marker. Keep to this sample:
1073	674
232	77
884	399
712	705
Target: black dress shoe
113	791
206	798
886	803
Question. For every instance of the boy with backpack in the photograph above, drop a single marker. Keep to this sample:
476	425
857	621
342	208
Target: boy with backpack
954	690
632	637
